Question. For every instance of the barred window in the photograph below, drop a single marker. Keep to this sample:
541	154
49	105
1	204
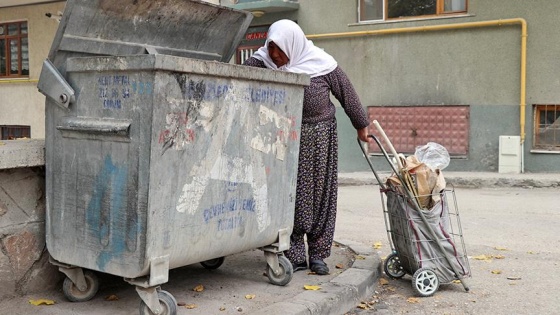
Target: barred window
380	10
547	127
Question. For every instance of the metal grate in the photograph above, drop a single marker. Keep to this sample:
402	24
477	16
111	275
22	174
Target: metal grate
410	126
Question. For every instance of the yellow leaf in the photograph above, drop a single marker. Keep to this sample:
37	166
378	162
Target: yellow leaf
499	256
190	306
413	300
250	296
456	281
383	281
530	252
359	257
496	272
483	257
500	248
111	297
312	287
41	301
199	288
377	245
363	306
222	308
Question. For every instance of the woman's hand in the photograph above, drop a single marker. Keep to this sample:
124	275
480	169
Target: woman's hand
363	134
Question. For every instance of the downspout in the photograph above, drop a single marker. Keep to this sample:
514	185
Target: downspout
416	29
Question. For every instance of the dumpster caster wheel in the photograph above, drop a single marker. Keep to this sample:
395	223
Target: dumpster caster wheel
425	282
73	294
393	267
285	273
168	305
213	263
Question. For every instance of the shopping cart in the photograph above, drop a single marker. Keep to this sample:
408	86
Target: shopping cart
426	242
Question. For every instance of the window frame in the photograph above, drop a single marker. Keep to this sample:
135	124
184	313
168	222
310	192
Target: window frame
18	38
440	5
537	110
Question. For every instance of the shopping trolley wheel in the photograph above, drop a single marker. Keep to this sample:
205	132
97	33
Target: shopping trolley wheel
74	294
213	263
285	272
425	282
393	267
166	301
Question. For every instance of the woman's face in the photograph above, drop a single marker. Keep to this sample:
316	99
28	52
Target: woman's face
277	55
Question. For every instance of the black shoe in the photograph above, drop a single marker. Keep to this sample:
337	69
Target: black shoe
319	267
299	266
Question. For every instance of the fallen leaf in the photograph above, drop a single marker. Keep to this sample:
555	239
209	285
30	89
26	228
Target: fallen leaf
181	303
514	278
360	257
483	257
500	248
363	306
456	281
190	306
250	296
413	300
496	272
383	281
222	308
499	256
199	288
111	297
530	252
312	287
41	301
339	266
377	245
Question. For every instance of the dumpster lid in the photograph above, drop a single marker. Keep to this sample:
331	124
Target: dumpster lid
185	28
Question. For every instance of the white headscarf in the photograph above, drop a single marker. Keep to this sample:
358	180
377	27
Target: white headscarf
304	56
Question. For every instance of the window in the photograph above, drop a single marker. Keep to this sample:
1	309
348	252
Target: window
380	10
14	50
547	127
253	40
14	132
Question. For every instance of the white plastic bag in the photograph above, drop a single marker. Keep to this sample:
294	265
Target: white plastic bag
434	155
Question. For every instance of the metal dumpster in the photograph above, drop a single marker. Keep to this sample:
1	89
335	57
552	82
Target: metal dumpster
158	153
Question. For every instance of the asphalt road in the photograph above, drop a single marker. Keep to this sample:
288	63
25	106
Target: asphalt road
511	237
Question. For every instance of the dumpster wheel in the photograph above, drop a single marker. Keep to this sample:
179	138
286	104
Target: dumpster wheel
285	272
167	303
213	263
425	282
393	267
74	294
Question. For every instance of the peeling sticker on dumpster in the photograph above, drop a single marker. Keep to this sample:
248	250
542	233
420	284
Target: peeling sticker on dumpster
227	169
177	133
278	143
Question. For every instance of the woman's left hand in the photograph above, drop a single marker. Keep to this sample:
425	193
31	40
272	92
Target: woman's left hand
363	134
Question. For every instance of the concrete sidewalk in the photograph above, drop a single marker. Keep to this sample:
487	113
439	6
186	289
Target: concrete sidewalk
355	270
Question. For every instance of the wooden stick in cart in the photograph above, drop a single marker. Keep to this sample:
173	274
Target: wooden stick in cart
406	176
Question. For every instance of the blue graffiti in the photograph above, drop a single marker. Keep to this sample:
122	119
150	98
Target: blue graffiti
110	188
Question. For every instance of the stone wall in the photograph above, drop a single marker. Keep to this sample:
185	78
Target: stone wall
24	266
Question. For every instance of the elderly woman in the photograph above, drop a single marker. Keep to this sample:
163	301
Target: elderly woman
287	49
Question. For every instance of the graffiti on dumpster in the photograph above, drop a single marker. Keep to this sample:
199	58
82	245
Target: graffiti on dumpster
106	212
228	214
115	90
177	134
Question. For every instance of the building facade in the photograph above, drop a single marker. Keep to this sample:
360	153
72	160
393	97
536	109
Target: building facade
477	77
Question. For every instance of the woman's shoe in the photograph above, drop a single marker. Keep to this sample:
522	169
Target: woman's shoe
299	266
319	267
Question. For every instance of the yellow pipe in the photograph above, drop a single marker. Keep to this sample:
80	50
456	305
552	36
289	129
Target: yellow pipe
416	29
19	81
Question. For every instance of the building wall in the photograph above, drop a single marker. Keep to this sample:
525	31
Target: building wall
478	67
20	102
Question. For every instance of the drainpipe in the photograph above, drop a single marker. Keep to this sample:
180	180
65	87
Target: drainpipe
418	29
